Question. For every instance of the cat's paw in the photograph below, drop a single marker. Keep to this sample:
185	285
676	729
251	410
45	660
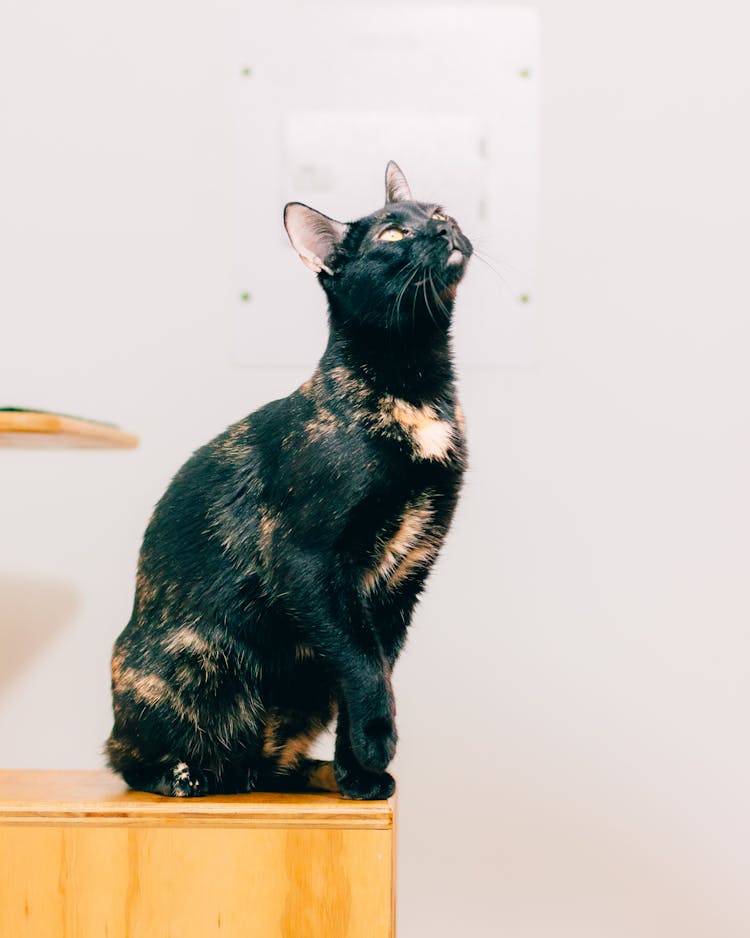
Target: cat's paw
374	742
361	785
184	782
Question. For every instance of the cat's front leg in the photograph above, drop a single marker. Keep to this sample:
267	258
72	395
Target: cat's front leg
371	712
335	622
353	779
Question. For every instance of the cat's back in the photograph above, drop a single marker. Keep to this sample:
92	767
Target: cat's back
289	454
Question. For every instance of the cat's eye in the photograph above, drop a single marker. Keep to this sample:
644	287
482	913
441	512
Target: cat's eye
391	234
438	216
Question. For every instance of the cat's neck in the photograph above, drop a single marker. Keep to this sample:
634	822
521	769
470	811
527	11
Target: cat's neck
417	368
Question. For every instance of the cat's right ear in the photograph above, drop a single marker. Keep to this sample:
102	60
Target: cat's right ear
396	187
313	235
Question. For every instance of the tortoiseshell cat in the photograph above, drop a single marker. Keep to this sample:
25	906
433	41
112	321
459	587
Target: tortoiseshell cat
280	569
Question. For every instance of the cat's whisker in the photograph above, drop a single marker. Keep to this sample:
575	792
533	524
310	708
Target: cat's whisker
479	256
441	303
412	270
427	302
394	307
414	304
501	262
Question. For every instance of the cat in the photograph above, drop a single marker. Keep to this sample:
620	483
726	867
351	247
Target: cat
280	569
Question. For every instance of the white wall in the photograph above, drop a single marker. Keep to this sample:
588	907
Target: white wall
582	769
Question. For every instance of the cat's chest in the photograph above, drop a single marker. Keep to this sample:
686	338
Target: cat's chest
431	445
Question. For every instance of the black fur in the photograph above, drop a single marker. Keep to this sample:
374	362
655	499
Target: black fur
280	569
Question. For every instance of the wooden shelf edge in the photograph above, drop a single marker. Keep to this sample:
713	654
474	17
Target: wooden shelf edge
98	798
34	429
192	821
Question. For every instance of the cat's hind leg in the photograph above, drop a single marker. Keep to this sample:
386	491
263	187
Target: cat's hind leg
305	775
319	775
159	773
176	780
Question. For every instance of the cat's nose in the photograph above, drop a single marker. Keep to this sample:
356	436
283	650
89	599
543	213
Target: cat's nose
446	229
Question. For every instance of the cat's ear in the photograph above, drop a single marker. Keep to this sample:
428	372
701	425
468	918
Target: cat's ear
313	235
396	187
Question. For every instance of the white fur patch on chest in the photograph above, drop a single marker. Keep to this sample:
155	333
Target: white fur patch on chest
431	436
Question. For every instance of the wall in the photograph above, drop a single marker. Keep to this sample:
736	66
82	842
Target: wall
583	768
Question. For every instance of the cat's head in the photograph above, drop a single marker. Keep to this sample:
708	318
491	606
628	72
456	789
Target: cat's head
396	269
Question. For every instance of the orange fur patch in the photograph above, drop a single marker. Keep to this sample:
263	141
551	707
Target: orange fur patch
268	526
412	539
322	778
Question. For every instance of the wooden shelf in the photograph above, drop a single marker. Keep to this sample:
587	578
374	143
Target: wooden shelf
33	429
81	855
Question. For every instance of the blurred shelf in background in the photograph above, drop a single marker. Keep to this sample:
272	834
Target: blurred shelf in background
27	429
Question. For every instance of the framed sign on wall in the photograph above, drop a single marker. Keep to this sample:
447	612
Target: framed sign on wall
450	94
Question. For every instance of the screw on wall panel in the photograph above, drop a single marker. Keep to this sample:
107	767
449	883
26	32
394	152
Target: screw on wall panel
246	72
245	297
524	298
524	72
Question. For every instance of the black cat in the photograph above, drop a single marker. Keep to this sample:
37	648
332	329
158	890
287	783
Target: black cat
280	569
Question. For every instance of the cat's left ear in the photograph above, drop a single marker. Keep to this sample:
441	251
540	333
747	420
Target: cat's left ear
396	187
313	235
